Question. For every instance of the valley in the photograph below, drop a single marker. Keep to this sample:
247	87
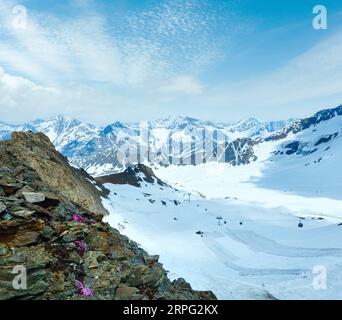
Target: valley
257	251
258	226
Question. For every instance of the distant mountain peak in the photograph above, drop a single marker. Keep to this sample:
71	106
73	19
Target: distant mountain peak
172	140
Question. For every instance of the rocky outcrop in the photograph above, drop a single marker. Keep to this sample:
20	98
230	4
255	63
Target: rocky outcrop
240	152
62	244
133	175
300	125
37	152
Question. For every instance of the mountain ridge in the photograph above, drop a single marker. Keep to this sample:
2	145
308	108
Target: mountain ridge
93	147
170	141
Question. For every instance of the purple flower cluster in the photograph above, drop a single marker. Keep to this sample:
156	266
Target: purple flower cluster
80	246
86	292
78	218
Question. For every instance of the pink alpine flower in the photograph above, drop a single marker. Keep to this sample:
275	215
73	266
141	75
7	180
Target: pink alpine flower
86	292
80	246
78	218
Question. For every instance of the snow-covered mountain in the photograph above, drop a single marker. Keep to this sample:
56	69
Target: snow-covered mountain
269	229
61	130
305	158
180	140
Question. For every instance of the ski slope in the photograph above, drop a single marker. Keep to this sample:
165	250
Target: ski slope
307	183
260	253
255	250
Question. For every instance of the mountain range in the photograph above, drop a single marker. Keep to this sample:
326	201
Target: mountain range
97	149
179	141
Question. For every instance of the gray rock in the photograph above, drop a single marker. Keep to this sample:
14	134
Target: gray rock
151	260
10	188
25	213
92	259
48	233
7	217
124	292
34	197
3	250
69	238
2	207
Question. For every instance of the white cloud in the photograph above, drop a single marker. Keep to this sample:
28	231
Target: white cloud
183	84
144	45
93	63
22	100
148	62
11	83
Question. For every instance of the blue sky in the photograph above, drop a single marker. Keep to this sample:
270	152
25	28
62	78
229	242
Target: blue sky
102	61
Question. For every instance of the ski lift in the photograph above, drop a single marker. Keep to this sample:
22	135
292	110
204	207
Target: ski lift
219	220
300	224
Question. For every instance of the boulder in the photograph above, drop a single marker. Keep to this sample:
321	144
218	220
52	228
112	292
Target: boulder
151	260
181	290
34	197
23	213
10	188
51	200
17	234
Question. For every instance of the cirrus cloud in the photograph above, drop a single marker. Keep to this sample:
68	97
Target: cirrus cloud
183	84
